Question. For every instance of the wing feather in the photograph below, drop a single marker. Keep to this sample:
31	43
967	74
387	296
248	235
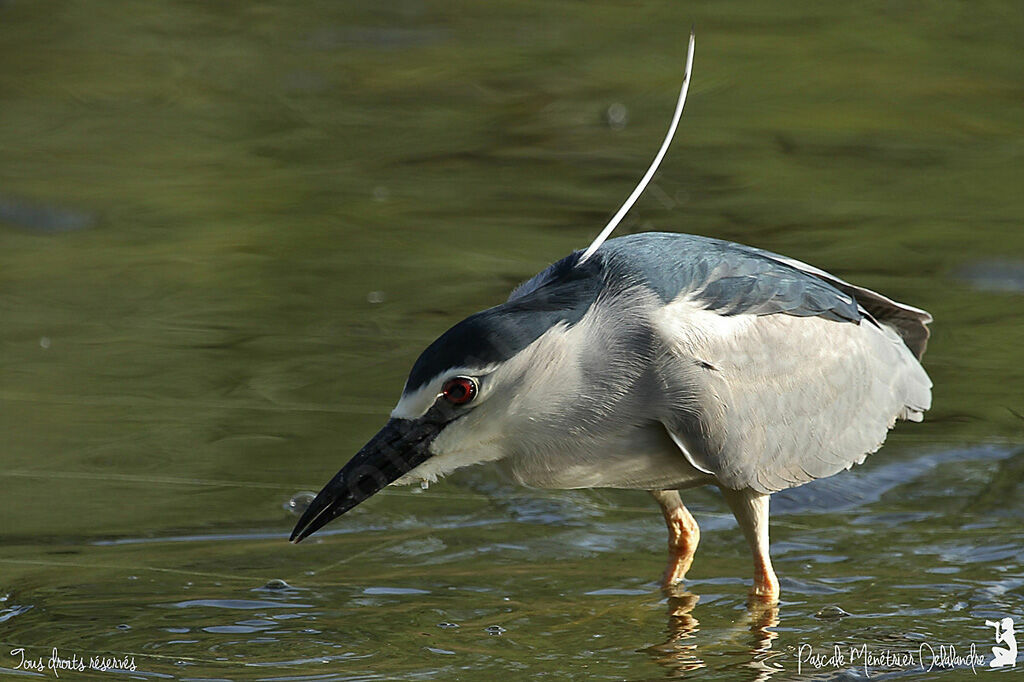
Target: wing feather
789	399
911	323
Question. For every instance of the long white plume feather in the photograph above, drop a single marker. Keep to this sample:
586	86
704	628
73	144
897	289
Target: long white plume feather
617	218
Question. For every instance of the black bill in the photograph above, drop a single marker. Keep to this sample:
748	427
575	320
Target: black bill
398	448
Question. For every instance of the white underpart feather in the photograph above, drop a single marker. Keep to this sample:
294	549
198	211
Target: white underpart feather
617	218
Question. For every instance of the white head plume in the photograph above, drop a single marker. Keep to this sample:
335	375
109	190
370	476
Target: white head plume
617	218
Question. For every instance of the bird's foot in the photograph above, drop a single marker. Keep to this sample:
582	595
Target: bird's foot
763	597
683	538
766	587
678	564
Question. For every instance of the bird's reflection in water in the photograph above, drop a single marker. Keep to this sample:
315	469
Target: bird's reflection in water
681	655
760	618
679	652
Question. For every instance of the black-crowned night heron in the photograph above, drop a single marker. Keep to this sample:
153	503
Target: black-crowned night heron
656	362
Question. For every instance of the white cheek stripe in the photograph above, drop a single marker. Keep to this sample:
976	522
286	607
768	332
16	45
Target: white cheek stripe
414	405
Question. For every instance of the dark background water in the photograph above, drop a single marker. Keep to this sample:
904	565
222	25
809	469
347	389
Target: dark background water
227	230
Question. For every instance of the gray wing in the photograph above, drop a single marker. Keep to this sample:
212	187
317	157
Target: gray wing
724	277
733	279
772	401
775	372
910	322
776	400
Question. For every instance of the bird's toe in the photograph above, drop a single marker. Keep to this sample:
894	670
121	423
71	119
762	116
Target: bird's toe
766	588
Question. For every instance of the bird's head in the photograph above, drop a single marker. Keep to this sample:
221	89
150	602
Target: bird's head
475	394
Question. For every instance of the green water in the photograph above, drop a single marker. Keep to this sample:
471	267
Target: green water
227	230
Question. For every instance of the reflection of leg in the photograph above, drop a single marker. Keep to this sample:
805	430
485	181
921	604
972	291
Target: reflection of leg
683	535
751	511
682	624
762	616
679	653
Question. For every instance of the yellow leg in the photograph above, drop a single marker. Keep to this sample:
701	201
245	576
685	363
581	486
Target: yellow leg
751	511
683	535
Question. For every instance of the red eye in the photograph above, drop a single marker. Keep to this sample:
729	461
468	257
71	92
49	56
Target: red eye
459	390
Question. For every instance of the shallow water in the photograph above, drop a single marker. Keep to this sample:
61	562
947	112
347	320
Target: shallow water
226	232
